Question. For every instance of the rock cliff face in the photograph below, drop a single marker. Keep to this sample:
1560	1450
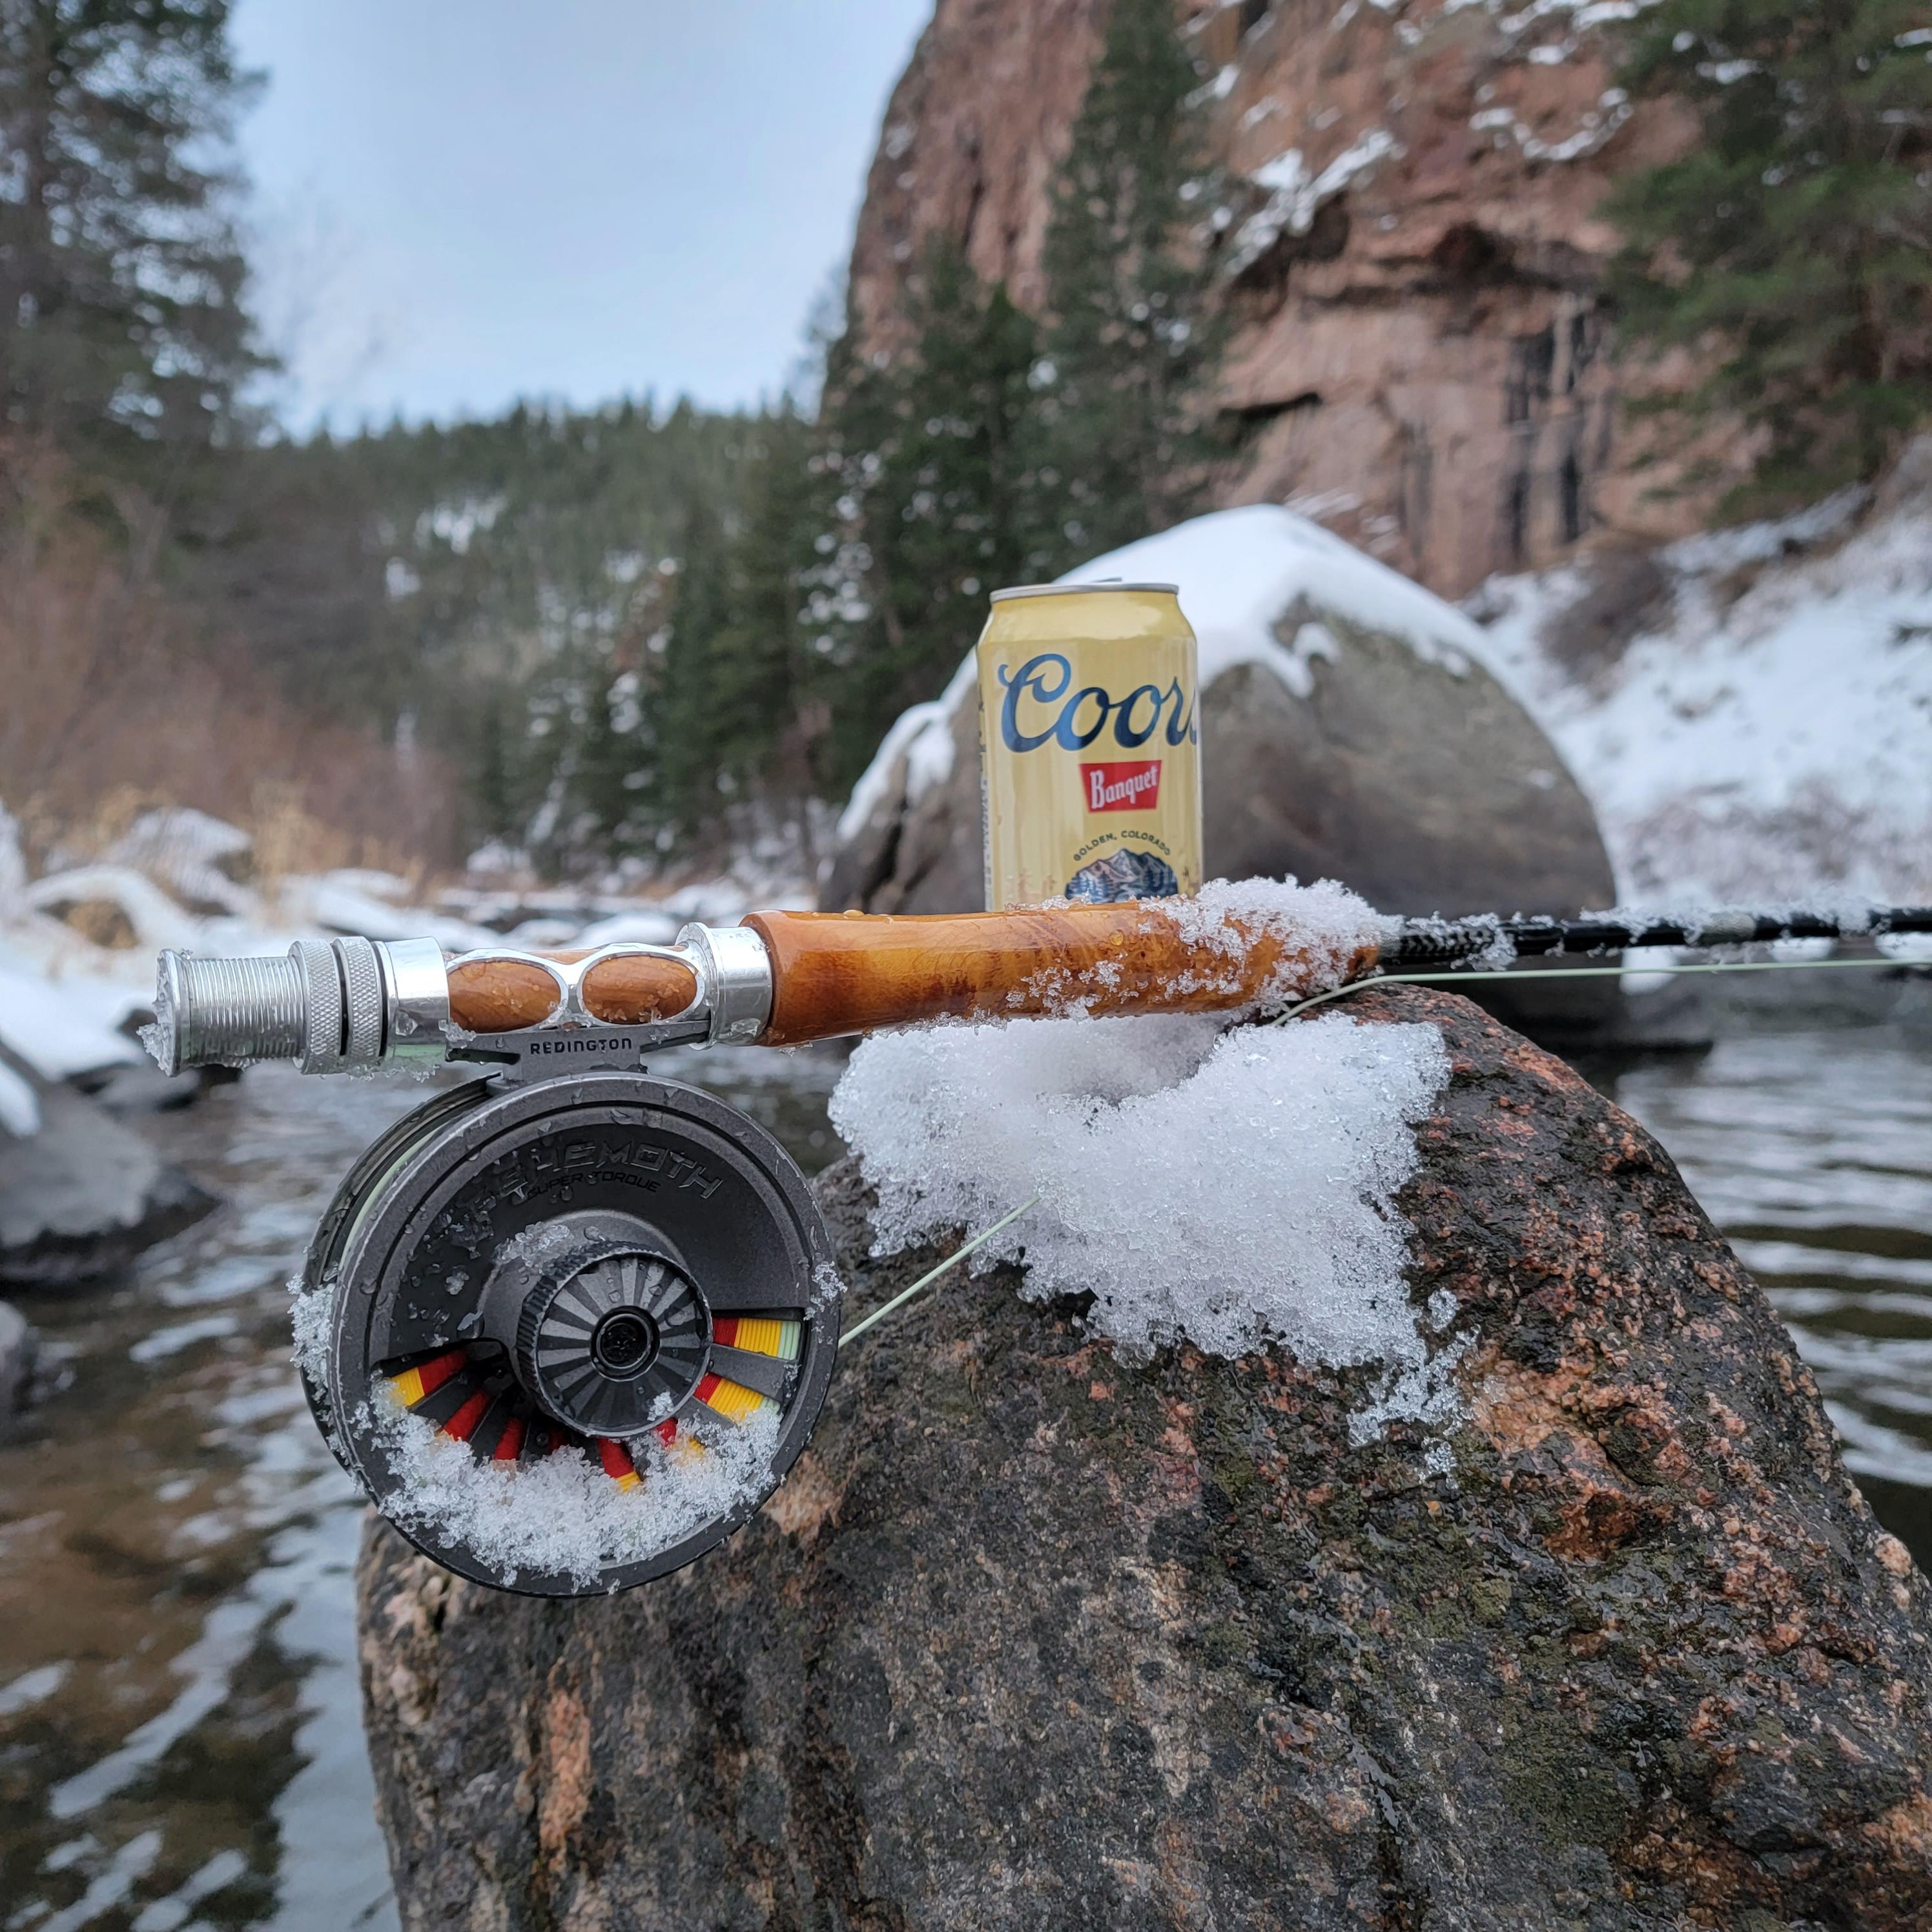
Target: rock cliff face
1033	1637
1411	249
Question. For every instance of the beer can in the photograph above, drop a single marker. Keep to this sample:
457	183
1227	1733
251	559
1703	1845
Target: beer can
1089	744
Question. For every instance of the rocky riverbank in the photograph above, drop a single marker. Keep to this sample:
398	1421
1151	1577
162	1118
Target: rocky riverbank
1033	1632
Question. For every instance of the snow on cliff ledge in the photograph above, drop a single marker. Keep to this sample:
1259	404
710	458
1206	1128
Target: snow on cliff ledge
1768	731
1240	572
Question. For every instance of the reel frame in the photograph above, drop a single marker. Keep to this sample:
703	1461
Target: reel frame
616	1184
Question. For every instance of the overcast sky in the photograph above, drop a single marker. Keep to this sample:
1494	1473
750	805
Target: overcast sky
461	202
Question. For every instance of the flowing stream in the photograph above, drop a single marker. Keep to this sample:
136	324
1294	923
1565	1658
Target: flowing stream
180	1746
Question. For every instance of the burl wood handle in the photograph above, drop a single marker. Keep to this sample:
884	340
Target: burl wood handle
847	972
500	995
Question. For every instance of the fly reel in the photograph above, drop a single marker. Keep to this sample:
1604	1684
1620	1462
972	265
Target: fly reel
569	1335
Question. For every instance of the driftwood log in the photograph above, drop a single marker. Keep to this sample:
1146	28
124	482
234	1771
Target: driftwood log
1033	1637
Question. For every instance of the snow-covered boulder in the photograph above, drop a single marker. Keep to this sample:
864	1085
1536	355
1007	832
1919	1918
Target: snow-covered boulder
201	861
1350	730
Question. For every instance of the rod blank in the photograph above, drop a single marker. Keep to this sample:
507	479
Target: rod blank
1424	942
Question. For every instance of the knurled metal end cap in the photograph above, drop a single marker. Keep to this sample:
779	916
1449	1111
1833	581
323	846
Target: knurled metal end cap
325	1007
224	1013
362	989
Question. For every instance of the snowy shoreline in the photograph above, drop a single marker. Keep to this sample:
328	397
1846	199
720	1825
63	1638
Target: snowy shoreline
1765	730
69	1005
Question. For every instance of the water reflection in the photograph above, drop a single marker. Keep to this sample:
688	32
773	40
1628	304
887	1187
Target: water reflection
1813	1151
175	1571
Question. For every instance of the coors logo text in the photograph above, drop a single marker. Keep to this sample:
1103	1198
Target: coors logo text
1038	705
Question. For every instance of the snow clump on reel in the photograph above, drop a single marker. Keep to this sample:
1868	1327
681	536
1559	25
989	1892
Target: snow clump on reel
563	1515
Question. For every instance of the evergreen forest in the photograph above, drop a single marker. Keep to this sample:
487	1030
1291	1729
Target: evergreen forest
646	632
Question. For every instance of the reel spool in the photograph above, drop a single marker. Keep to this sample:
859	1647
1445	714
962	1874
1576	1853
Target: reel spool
607	1268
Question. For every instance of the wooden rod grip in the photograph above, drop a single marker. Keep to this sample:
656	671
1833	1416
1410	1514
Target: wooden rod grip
847	972
501	995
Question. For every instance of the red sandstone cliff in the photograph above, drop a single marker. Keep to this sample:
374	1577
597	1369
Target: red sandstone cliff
1410	248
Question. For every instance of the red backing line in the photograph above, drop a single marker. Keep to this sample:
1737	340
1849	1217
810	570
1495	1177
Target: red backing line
463	1424
437	1371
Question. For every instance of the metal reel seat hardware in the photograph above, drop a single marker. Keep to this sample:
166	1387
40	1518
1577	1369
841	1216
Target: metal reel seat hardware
349	1005
568	975
730	1007
587	1266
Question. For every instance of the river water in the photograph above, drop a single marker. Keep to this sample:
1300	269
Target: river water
179	1741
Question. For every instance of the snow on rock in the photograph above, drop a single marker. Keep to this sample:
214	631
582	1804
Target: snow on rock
641	928
191	855
19	1105
1769	734
157	920
1230	1188
632	901
1594	130
1241	571
57	1027
914	756
362	902
1233	1188
1295	196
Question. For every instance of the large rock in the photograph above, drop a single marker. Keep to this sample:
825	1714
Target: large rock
1348	730
85	1195
1411	257
1035	1637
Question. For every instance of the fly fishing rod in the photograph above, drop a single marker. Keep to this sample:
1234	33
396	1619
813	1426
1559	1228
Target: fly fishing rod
573	1273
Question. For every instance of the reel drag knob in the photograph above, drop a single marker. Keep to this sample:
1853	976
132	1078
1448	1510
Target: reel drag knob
608	1334
569	1336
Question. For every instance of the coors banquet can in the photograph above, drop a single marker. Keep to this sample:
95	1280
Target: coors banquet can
1089	744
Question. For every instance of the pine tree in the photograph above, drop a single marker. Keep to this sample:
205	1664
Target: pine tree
925	462
1131	340
609	759
1794	243
685	793
759	679
124	336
